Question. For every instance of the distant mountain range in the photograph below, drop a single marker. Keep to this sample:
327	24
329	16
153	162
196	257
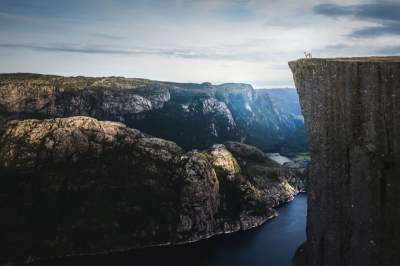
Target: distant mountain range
286	100
85	186
286	103
192	115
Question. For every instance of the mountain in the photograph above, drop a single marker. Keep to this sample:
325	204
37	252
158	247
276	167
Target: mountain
286	100
192	115
286	104
75	186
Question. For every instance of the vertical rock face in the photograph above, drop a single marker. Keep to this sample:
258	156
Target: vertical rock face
192	115
77	185
352	114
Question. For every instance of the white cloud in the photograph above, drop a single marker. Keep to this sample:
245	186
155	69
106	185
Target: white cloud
178	40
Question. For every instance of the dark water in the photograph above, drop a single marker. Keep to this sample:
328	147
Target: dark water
272	244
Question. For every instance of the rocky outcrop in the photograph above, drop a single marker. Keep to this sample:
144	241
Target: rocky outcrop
279	187
352	109
72	186
193	115
296	172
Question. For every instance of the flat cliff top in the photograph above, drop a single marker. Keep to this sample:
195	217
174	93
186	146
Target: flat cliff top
79	82
372	59
76	82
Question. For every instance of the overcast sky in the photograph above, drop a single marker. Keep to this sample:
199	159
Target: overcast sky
190	40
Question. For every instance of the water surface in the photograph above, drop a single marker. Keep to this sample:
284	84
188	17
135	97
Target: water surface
272	244
277	157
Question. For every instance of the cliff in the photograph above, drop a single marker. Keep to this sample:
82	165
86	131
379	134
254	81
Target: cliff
73	186
287	105
192	115
351	108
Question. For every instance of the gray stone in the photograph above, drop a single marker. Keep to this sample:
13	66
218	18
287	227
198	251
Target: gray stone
73	186
351	108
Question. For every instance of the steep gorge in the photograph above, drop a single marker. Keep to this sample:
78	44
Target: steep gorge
351	108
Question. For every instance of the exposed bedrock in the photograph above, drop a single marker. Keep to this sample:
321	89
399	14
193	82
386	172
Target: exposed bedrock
195	116
352	115
72	186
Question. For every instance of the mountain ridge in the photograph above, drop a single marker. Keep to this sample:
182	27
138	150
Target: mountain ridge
195	115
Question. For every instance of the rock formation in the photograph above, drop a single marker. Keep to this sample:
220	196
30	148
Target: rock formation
352	113
193	115
72	186
286	104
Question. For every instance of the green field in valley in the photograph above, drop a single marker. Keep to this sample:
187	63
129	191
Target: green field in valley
302	156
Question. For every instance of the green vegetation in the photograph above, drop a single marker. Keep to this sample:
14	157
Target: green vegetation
303	156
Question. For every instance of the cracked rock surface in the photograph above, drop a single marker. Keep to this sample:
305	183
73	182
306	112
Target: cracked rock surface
351	108
77	185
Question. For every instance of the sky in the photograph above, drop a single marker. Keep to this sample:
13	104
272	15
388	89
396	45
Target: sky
215	41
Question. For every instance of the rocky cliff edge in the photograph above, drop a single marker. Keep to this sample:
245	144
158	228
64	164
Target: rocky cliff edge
351	108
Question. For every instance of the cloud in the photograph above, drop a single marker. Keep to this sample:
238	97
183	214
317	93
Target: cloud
387	28
225	52
187	40
363	49
389	50
70	49
10	16
385	14
383	11
333	10
52	24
